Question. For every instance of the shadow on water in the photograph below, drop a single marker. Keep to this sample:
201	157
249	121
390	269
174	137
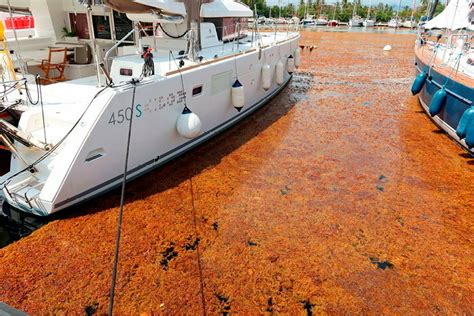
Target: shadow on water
469	158
186	166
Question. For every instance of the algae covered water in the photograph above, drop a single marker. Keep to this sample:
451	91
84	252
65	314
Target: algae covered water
337	195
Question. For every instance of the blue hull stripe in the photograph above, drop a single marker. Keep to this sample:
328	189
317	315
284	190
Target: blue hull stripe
460	97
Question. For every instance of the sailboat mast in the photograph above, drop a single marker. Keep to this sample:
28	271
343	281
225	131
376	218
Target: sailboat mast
368	11
433	9
399	7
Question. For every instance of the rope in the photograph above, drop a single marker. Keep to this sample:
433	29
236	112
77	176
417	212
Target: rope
40	92
172	36
455	67
28	94
120	214
181	77
17	53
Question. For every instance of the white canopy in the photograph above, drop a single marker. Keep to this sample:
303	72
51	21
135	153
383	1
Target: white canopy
166	6
225	8
213	9
455	16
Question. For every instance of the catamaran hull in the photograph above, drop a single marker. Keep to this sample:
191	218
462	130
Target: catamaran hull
92	161
459	99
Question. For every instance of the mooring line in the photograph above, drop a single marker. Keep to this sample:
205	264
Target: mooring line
120	214
198	252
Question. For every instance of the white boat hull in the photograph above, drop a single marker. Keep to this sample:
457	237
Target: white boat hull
91	160
368	23
355	23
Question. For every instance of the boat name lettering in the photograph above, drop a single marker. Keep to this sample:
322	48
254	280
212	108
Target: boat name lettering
124	115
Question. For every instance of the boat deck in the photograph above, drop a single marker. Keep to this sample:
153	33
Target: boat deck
340	196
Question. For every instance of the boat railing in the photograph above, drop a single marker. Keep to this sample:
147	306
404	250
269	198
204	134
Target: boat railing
107	54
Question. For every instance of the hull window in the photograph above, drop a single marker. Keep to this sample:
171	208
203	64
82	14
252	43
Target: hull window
197	91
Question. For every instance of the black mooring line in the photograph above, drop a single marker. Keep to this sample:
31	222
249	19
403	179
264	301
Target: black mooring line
120	214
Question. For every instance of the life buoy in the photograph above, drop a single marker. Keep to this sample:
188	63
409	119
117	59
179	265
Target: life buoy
189	124
238	95
279	73
291	64
266	76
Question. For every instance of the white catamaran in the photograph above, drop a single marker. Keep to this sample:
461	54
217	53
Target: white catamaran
191	70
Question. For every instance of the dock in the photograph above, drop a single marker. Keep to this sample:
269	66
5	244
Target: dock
340	196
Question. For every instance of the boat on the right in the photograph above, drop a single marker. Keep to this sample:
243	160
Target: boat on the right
444	62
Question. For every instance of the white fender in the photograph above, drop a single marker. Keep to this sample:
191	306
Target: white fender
266	76
189	124
291	64
280	73
297	57
238	95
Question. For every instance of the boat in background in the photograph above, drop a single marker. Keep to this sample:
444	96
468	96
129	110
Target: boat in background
445	72
334	22
356	20
411	23
368	22
308	22
394	22
322	20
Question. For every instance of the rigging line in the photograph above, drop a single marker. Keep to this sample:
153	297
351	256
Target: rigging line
17	53
181	76
235	65
198	252
28	93
120	214
40	92
455	67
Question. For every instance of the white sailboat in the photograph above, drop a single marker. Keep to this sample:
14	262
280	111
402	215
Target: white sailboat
356	20
196	75
322	20
368	22
412	22
395	21
334	22
445	72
